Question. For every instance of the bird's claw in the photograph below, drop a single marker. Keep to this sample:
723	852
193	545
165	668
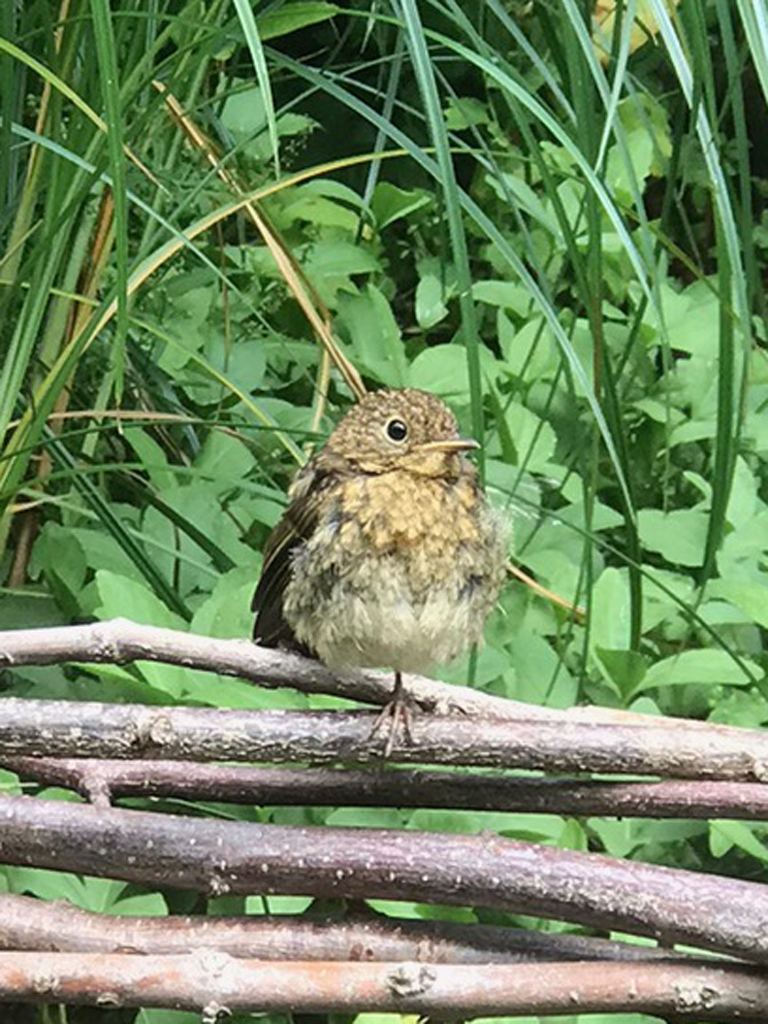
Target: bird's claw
398	711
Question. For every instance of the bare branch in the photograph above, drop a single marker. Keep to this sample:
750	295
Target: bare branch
101	781
723	914
120	642
63	728
27	923
214	983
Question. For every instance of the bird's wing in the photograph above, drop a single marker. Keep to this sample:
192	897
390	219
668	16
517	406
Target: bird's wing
308	495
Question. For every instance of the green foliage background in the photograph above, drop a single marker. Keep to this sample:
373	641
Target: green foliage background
564	239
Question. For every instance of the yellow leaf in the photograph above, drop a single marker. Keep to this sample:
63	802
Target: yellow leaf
644	28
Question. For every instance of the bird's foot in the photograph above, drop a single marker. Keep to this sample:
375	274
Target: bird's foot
396	714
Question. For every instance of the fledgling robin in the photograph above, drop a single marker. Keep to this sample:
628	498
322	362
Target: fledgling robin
388	555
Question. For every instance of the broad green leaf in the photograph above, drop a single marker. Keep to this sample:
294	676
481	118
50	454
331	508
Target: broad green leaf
529	352
320	211
151	455
724	835
292	16
625	669
610	611
442	369
534	439
277	904
391	203
678	536
707	667
743	504
373	331
167	1017
430	301
225	460
120	597
541	676
331	264
749	598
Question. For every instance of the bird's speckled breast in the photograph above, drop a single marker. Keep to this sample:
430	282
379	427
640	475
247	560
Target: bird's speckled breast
401	571
421	522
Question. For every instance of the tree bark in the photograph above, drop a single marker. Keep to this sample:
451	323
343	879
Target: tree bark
213	983
64	728
27	923
216	857
121	642
102	781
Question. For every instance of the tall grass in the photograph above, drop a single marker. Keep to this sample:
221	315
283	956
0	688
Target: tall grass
562	180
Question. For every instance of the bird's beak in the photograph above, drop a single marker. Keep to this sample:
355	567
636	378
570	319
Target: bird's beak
457	444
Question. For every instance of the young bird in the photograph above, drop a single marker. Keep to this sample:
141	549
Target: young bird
387	555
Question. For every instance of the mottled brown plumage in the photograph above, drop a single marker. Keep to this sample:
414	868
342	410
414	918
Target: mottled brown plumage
387	555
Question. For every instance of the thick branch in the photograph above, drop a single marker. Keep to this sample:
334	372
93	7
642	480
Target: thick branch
120	642
213	983
104	781
716	913
62	728
27	923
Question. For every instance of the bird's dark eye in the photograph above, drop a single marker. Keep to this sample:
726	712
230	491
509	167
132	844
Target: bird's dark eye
397	430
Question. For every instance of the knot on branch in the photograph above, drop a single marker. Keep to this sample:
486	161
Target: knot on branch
106	639
696	998
410	980
213	962
152	729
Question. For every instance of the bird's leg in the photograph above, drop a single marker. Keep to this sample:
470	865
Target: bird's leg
398	711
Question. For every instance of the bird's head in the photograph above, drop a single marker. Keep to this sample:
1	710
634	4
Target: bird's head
401	429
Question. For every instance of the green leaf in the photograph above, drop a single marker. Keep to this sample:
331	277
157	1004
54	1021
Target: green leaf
167	1017
609	613
678	536
749	598
277	904
624	669
121	597
391	203
99	895
430	304
530	352
330	265
151	455
224	459
724	835
226	612
534	439
290	17
306	204
366	817
541	675
703	667
59	553
374	333
743	503
442	369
